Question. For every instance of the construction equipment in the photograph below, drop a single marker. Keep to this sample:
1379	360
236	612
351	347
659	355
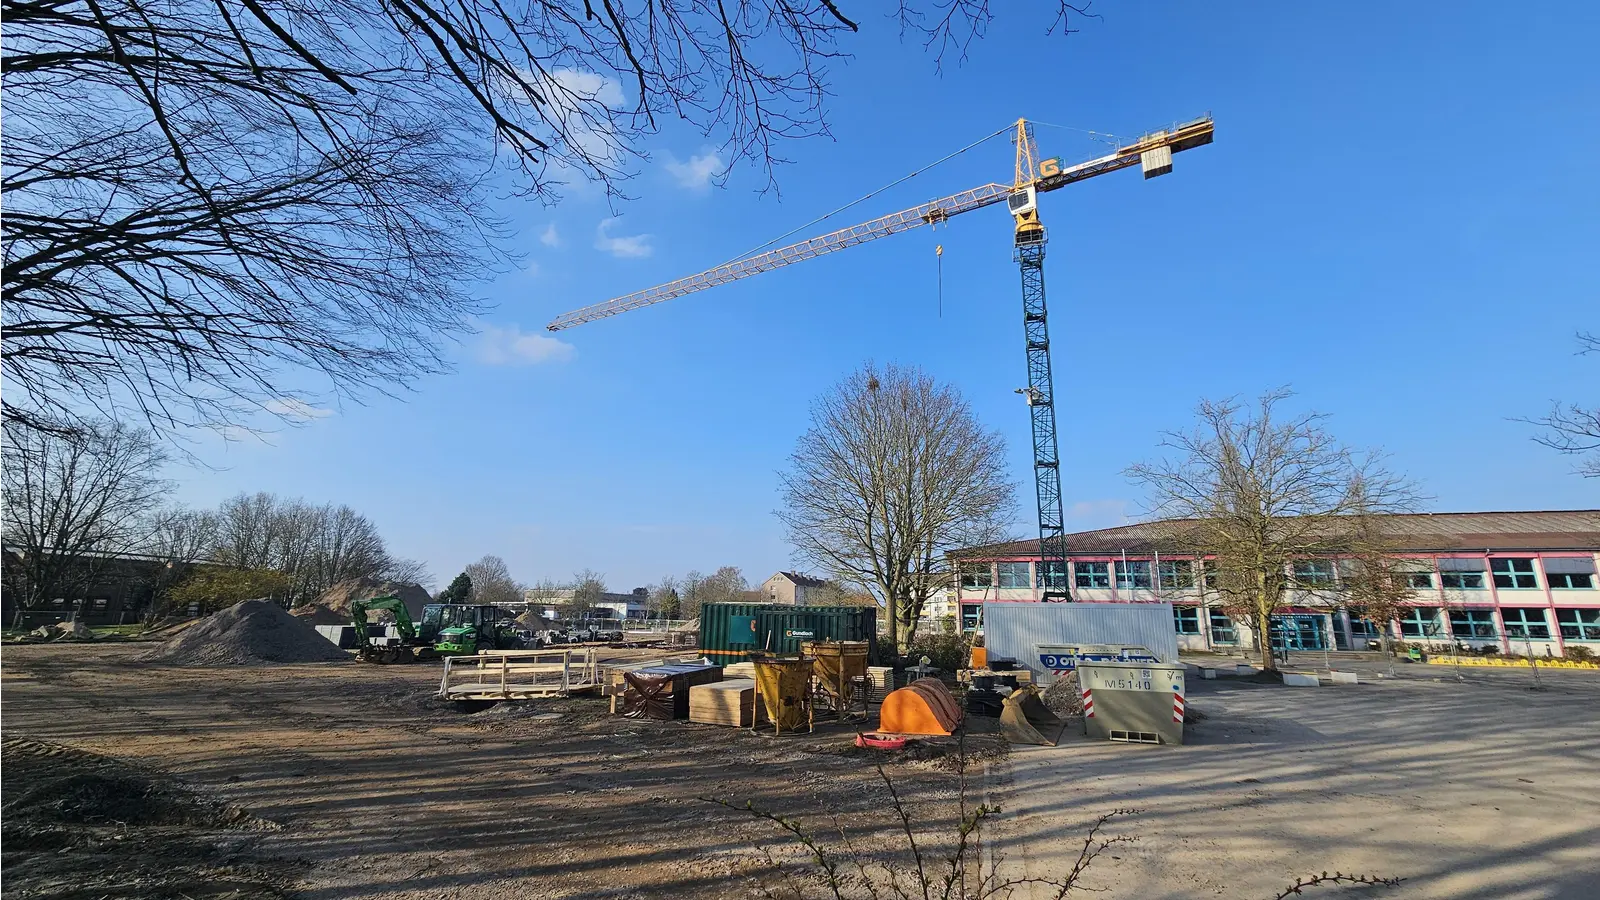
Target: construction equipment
1024	719
1032	177
924	706
783	694
456	629
384	648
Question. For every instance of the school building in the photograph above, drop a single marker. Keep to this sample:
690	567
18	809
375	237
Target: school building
1524	582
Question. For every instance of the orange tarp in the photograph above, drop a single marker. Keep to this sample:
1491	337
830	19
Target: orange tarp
924	706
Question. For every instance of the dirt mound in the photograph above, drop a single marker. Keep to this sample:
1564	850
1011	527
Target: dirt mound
332	607
79	825
249	633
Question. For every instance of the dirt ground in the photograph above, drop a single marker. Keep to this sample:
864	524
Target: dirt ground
355	783
1482	789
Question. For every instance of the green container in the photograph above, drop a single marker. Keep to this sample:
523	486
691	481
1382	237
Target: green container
730	631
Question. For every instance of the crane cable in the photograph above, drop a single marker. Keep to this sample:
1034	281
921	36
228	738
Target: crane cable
869	196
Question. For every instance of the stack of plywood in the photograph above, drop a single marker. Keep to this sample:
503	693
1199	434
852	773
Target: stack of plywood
880	681
731	702
739	670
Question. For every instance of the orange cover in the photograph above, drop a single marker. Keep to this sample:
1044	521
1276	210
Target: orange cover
924	706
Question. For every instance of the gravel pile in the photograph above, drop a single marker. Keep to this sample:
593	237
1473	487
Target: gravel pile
249	633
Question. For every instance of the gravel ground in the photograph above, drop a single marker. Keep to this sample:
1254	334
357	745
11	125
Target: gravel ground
1471	790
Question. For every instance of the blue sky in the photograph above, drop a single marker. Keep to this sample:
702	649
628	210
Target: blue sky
1397	219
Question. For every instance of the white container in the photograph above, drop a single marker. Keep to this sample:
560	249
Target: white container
1020	631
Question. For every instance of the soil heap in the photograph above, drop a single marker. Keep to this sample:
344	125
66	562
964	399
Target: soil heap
332	607
249	633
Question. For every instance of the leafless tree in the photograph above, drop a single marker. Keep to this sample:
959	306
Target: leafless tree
492	582
1573	428
203	195
665	599
1377	581
72	498
894	472
588	588
180	537
1262	492
314	547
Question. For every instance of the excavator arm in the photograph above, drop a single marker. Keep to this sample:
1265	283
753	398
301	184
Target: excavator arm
402	617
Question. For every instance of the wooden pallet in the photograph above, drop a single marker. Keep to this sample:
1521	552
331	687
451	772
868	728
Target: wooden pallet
723	703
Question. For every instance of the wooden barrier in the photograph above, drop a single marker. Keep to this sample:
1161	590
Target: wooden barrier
519	674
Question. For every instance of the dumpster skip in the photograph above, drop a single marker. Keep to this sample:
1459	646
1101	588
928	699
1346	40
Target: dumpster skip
1137	702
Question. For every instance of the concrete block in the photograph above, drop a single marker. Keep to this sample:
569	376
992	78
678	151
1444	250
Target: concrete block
1300	679
1208	674
1242	670
1345	678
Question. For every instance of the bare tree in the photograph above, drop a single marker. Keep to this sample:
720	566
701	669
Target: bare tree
1575	429
1261	493
1377	581
894	472
665	599
71	498
180	537
314	547
205	194
492	582
588	589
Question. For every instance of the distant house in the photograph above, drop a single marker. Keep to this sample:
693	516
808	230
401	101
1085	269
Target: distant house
794	588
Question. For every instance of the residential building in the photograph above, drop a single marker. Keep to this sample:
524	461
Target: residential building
793	588
1522	582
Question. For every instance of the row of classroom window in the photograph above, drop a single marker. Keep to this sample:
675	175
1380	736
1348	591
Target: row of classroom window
1422	622
1419	622
1508	573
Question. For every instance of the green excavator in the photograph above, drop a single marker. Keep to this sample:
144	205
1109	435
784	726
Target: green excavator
447	629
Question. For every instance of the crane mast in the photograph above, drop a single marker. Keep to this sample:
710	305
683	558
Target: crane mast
1030	240
1033	176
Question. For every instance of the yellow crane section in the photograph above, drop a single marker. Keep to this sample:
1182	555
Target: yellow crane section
1153	151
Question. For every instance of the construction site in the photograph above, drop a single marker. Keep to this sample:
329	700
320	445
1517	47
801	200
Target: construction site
246	756
1258	666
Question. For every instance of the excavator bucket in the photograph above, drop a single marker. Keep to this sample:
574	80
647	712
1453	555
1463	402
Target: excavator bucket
924	706
1024	719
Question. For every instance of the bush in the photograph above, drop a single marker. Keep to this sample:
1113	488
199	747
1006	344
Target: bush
947	651
1579	653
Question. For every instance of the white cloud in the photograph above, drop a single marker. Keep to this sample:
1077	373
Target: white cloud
631	246
531	269
550	237
291	408
696	174
509	346
578	107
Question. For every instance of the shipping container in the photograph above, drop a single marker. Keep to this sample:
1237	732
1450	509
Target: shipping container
730	631
1017	630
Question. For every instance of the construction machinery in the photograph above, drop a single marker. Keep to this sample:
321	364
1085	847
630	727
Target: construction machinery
457	629
1033	176
447	629
382	647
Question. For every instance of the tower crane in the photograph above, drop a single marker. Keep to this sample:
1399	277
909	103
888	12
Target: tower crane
1033	176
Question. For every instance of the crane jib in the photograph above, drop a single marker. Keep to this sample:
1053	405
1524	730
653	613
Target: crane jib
1051	177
